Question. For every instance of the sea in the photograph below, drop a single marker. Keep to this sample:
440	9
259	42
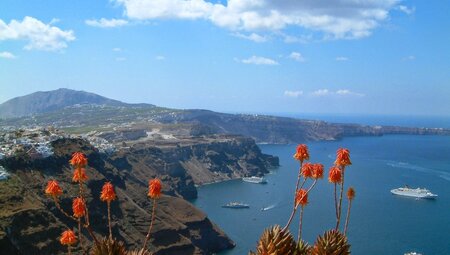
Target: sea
380	223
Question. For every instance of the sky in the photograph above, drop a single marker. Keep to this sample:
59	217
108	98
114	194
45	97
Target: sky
262	56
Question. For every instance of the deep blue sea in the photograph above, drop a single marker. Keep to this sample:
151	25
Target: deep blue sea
380	223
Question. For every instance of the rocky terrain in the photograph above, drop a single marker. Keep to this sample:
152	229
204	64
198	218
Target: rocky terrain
30	223
91	112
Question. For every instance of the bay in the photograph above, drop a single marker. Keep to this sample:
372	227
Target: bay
380	222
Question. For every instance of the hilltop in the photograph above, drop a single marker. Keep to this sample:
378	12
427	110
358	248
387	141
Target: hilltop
48	101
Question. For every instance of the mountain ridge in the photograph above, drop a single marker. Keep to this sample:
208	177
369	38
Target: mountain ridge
48	101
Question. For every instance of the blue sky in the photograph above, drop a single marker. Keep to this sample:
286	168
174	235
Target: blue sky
346	56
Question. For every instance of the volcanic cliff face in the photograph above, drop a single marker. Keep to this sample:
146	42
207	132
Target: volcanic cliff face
30	223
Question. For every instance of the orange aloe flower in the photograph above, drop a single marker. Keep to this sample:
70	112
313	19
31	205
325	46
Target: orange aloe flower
350	193
302	153
78	160
307	169
78	207
317	171
108	193
79	175
335	175
342	157
53	188
68	238
301	197
154	188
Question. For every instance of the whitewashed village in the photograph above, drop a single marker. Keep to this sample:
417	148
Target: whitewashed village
36	143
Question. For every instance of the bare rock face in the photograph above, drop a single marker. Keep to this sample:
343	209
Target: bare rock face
31	224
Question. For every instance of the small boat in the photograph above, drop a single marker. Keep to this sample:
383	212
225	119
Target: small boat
417	193
255	179
236	205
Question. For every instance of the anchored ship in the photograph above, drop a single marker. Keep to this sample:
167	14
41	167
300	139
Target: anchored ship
236	205
255	179
417	193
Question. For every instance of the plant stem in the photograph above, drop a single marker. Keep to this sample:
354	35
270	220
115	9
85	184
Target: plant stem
335	201
79	234
298	179
68	248
348	216
109	219
61	210
340	200
151	225
300	225
290	219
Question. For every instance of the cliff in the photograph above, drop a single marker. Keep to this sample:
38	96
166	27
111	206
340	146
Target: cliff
30	223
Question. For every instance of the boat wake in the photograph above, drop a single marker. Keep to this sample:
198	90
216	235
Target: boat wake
441	174
268	207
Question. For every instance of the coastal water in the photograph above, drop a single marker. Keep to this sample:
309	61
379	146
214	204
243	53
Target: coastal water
380	223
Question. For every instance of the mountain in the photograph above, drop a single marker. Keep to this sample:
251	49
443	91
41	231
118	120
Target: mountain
83	115
47	101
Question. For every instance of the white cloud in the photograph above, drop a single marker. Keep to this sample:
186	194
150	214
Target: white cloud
6	54
409	58
294	94
40	36
346	92
341	58
296	56
259	61
406	9
106	23
339	92
252	37
320	92
336	19
160	58
117	49
120	59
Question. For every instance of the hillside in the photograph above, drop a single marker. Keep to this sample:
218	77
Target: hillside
30	223
47	101
83	118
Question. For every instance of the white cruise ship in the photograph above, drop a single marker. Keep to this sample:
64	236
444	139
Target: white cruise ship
417	193
255	179
236	205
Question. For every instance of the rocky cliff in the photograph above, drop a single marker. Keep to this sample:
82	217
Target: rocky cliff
30	223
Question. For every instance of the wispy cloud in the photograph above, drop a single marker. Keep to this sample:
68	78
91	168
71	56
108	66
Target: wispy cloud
160	58
117	49
409	58
320	92
346	92
255	60
296	56
341	58
406	9
121	59
252	37
40	36
339	20
106	23
7	55
293	93
339	92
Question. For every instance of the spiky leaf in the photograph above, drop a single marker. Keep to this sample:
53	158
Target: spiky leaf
109	247
303	248
333	242
275	241
139	252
